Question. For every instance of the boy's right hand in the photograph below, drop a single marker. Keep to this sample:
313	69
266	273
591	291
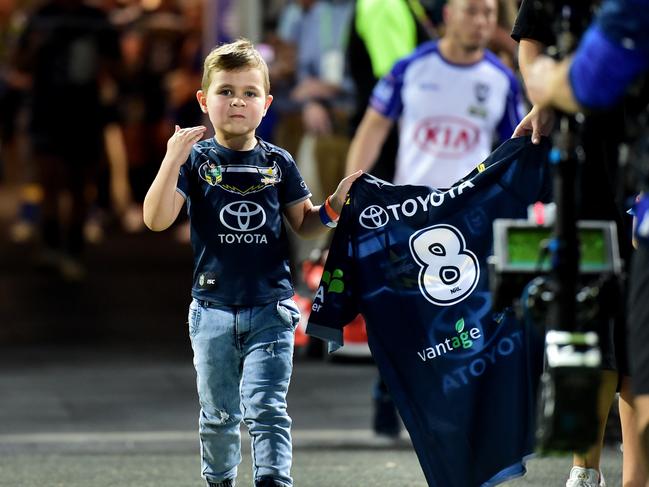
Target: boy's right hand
179	145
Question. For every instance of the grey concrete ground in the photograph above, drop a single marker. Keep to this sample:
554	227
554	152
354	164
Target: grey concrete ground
80	418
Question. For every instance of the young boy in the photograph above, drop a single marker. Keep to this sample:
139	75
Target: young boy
242	317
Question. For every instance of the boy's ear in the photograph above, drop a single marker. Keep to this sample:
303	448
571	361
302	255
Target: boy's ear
202	100
269	100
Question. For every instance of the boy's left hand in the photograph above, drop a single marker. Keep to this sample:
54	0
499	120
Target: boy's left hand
338	198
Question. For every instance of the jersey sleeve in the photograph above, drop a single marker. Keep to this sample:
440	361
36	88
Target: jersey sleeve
386	97
613	52
335	303
182	186
292	189
532	23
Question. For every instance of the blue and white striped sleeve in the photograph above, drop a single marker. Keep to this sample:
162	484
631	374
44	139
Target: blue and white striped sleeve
387	95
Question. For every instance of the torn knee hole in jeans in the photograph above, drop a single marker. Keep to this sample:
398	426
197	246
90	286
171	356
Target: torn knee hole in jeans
221	416
271	348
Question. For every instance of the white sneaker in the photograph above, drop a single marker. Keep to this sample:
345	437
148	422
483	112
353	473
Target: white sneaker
585	477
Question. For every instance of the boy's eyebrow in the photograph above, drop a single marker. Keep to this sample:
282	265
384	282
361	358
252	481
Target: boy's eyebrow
229	85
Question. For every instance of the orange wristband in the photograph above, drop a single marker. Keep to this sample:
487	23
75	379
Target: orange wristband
330	211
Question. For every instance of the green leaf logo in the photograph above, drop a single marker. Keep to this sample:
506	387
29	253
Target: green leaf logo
459	326
326	277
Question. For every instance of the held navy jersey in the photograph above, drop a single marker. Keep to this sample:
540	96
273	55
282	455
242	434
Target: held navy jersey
235	201
411	260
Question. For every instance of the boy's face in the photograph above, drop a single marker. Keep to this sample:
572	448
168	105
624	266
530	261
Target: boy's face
235	102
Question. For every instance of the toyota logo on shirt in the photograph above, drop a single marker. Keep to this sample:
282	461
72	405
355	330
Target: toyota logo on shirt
243	216
373	217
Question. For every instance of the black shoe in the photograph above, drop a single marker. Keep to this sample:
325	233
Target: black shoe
269	482
222	483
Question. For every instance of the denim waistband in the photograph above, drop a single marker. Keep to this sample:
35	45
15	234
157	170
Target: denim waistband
211	304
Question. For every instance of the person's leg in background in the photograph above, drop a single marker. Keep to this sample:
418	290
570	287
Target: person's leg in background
79	183
385	420
51	177
641	407
588	465
585	470
615	376
634	473
638	329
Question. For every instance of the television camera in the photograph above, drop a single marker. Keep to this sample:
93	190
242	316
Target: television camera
565	277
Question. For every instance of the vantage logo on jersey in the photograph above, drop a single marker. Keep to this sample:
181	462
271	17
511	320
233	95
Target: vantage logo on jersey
463	340
414	263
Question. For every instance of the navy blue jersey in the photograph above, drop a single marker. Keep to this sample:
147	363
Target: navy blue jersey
412	261
235	201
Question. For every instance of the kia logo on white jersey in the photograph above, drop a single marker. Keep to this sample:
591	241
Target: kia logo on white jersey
243	216
446	136
373	217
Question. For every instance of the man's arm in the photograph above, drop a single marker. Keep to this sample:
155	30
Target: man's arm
528	51
540	120
611	55
367	142
548	85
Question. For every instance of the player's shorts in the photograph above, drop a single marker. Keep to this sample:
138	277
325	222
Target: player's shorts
638	321
613	340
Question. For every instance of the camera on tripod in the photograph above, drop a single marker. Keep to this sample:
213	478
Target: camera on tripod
520	275
523	251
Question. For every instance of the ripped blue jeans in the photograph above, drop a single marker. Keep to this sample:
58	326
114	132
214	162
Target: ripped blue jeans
244	359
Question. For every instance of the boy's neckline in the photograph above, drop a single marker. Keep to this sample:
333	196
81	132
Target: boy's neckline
238	154
220	144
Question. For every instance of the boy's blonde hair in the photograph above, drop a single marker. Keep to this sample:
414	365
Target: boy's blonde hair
240	54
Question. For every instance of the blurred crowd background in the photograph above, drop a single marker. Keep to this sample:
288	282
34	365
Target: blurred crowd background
89	94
